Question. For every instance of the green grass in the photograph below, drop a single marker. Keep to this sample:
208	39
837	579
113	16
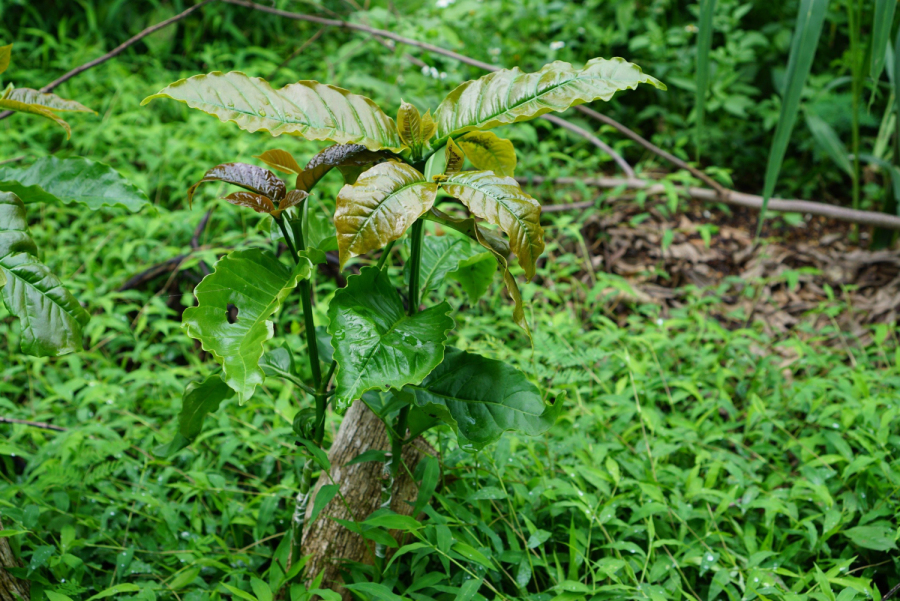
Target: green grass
691	461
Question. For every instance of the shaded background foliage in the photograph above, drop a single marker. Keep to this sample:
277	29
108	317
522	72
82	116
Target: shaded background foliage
693	461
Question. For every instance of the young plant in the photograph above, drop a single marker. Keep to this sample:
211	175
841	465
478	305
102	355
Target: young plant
393	173
51	317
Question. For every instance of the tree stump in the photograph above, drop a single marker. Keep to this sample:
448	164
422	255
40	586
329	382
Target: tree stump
11	588
327	541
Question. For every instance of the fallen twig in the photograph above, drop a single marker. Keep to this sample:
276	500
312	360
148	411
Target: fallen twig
25	422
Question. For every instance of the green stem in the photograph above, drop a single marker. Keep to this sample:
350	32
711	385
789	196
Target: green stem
415	264
385	254
300	506
856	67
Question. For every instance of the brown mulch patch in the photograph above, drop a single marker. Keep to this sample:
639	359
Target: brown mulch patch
794	275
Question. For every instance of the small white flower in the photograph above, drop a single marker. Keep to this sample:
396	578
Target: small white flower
444	3
557	45
691	28
443	75
424	69
435	73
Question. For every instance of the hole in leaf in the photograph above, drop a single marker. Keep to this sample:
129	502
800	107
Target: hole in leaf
232	313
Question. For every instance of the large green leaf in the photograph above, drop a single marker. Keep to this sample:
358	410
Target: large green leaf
256	283
307	108
475	274
376	344
74	180
379	207
51	318
199	399
441	256
484	397
510	95
500	200
498	247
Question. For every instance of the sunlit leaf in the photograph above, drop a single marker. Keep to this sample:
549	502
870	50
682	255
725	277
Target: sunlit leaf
376	344
46	100
250	177
510	95
484	398
199	399
383	203
488	152
74	180
280	160
500	201
307	108
52	319
256	283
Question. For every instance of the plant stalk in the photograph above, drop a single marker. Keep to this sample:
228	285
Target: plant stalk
415	264
854	18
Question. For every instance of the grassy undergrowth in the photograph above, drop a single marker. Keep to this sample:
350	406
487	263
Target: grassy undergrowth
691	461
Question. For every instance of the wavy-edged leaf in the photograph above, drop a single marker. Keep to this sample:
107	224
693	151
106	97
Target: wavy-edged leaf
376	344
500	200
453	158
35	109
498	247
251	200
74	180
256	283
441	255
379	207
342	156
47	100
199	399
5	55
484	398
488	152
52	319
475	275
280	160
510	95
250	177
308	109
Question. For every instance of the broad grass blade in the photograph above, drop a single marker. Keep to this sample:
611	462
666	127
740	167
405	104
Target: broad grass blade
803	49
827	139
881	33
704	45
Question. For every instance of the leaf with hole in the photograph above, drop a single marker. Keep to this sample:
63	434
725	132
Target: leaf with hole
307	109
376	344
500	201
484	398
74	180
256	283
510	95
52	320
380	207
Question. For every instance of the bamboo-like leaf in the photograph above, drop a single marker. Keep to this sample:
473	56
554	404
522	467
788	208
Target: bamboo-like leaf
704	45
73	180
509	95
488	152
307	109
376	210
199	399
498	247
280	160
251	200
250	177
46	100
810	18
256	283
52	320
35	109
883	19
376	344
484	398
828	140
500	201
5	55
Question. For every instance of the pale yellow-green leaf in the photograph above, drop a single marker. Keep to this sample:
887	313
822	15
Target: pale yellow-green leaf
34	109
510	95
500	201
379	207
409	124
281	160
428	126
488	152
307	108
46	100
453	158
5	54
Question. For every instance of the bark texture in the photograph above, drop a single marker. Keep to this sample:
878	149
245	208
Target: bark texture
327	541
11	588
